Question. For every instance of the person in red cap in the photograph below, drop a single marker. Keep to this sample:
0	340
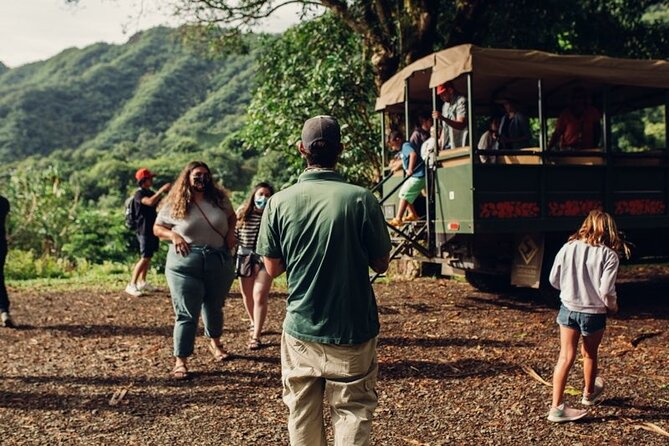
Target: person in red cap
145	202
454	115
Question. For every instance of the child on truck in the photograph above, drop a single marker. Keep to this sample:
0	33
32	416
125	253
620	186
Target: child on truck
584	271
414	168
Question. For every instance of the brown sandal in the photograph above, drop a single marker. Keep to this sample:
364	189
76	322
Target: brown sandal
255	344
218	354
180	372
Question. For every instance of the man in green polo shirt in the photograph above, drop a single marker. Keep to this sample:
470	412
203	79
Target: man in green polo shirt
326	234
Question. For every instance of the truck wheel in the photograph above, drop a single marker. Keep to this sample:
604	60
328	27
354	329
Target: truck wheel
488	283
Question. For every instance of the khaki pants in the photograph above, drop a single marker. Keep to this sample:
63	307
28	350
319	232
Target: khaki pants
346	374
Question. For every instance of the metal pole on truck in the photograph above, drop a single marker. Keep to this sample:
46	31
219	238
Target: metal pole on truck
383	146
666	138
470	134
429	187
540	112
407	119
666	120
608	150
542	144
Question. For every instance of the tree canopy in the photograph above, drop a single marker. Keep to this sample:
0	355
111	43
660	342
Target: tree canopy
397	32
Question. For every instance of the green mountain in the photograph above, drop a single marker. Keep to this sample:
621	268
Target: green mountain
151	93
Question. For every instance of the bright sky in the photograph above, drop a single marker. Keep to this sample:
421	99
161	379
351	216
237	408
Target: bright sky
32	30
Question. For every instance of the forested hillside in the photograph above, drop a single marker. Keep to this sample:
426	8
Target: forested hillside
76	127
152	91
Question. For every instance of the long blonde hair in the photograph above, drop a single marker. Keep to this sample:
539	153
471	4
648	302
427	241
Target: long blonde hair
599	228
181	197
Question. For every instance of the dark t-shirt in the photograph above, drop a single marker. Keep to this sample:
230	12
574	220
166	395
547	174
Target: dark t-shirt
146	216
4	210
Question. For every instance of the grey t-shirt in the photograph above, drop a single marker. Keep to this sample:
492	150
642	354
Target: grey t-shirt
194	228
457	108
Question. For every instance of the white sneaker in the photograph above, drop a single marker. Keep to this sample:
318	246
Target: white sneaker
596	395
562	413
146	287
7	320
133	290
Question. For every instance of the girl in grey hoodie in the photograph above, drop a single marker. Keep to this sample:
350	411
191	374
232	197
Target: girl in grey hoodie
584	271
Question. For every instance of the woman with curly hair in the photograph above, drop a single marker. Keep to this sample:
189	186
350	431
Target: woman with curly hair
253	278
198	220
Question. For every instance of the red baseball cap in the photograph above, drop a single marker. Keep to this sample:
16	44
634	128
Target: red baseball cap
143	174
441	89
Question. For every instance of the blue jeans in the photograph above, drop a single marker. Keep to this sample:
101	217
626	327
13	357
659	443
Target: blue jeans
198	282
585	323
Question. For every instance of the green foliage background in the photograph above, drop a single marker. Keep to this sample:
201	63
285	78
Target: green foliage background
74	128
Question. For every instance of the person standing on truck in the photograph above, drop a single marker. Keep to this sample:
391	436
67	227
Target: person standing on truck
414	169
584	271
454	115
578	126
514	128
326	234
422	131
145	201
490	140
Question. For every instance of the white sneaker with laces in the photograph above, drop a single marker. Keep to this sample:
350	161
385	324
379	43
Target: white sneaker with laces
596	395
562	414
133	290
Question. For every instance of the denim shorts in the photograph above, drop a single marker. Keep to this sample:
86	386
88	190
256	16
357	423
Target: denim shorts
586	323
148	245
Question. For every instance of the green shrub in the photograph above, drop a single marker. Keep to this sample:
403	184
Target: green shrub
24	265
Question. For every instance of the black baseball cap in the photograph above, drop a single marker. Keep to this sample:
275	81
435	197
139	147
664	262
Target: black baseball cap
321	128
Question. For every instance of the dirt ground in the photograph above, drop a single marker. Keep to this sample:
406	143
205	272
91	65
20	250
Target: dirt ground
91	368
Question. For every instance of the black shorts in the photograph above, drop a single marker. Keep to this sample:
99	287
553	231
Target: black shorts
148	245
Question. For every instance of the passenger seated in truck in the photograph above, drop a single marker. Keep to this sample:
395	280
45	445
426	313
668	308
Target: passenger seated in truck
578	126
454	116
514	127
490	141
414	169
422	131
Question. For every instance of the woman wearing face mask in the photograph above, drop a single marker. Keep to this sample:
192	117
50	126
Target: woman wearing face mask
254	280
198	219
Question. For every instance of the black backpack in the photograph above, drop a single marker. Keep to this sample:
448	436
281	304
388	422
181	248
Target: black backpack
131	213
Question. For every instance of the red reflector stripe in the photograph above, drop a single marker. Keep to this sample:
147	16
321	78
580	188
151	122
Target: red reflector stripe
453	226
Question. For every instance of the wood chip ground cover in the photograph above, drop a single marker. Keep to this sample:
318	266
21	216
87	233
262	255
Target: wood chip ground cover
90	367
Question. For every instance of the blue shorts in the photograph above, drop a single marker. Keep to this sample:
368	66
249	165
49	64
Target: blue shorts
148	245
586	323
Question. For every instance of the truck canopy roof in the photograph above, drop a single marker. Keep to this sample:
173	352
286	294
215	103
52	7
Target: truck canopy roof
513	73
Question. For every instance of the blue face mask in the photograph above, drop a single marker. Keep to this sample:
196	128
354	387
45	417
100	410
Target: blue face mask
261	202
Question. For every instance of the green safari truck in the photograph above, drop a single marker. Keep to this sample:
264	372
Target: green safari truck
500	214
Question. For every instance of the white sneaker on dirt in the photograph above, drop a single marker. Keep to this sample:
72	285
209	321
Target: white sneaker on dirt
133	290
562	414
596	395
7	320
146	287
